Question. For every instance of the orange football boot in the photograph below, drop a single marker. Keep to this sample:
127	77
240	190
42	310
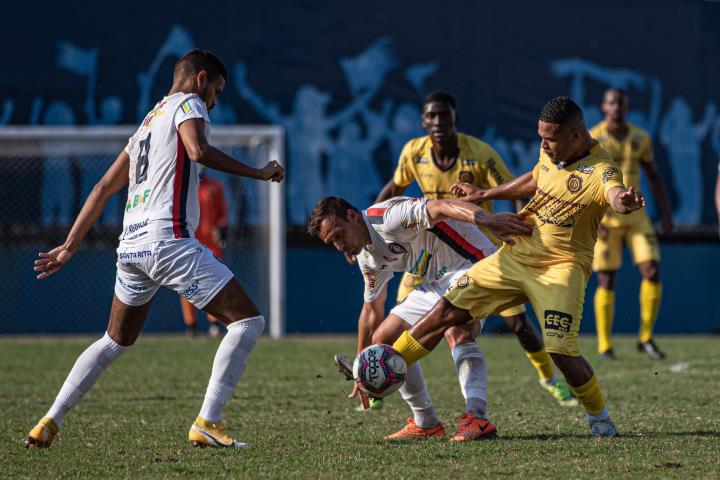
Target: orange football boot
473	428
412	431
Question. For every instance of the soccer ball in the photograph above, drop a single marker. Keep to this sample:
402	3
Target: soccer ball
379	370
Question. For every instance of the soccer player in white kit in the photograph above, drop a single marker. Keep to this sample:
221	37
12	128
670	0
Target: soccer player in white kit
160	166
438	240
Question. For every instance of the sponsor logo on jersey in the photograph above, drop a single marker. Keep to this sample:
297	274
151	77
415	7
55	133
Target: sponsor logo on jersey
134	227
397	249
574	183
441	273
468	162
550	209
370	277
421	160
544	168
155	112
609	173
390	259
492	166
131	286
466	177
586	170
560	321
413	224
137	200
191	290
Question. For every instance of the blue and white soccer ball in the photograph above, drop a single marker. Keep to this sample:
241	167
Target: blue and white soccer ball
379	370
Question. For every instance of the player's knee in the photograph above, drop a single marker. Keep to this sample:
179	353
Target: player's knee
518	324
650	271
459	335
252	326
606	280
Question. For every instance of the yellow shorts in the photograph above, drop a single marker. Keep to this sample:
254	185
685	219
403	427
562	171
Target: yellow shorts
639	236
410	282
556	293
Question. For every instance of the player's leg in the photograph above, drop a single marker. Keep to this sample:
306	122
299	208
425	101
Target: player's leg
124	326
646	254
532	343
189	314
425	422
606	261
557	295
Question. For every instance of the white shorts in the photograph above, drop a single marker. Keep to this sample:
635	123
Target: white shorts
424	297
183	265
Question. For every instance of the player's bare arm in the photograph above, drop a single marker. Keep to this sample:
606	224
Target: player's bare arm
522	187
114	180
658	189
192	132
502	225
371	316
625	201
390	190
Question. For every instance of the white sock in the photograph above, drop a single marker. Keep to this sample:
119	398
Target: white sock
229	365
415	393
472	375
87	369
604	415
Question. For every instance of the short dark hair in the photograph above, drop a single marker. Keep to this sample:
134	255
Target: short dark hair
619	91
561	110
197	60
440	97
325	208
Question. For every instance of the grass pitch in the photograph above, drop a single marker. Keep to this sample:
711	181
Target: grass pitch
291	407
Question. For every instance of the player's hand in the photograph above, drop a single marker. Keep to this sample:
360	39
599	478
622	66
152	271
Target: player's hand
52	261
504	225
468	191
632	200
272	171
666	223
350	258
364	399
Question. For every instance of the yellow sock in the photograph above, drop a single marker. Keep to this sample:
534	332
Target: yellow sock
590	396
542	363
604	313
409	348
650	296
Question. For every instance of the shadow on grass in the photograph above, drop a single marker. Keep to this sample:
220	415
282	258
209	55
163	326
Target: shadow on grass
562	436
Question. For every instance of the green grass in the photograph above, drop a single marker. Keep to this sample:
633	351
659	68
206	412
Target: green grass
291	406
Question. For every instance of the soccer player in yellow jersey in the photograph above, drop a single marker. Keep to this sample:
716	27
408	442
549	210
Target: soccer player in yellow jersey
438	160
631	148
573	182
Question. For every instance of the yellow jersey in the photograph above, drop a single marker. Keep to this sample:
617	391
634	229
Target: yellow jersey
628	153
566	209
477	163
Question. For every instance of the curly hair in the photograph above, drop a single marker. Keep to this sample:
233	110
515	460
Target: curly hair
561	110
325	208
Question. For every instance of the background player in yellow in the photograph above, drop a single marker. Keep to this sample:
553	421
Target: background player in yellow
438	160
573	182
631	148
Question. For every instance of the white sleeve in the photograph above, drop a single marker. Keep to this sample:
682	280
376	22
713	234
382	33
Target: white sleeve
407	216
375	281
191	107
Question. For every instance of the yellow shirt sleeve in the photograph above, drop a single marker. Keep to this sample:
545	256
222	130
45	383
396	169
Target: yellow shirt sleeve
496	172
646	151
536	171
404	174
611	177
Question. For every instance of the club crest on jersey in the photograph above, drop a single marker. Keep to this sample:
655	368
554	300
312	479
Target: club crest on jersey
585	170
466	177
574	183
396	248
463	281
186	107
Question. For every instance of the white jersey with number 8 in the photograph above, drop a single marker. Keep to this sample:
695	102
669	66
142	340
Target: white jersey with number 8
162	201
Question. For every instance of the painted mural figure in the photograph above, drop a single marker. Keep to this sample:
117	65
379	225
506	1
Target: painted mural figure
57	192
308	126
682	138
352	171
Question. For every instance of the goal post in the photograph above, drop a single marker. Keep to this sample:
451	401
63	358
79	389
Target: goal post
45	176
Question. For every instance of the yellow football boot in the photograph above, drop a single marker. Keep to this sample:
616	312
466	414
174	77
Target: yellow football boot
42	435
210	434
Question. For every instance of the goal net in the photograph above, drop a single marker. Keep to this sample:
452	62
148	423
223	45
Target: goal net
46	173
